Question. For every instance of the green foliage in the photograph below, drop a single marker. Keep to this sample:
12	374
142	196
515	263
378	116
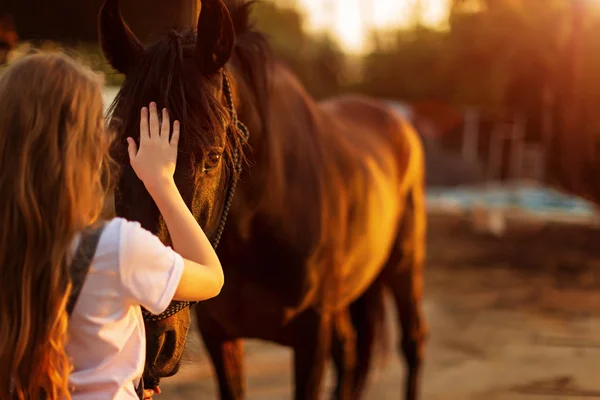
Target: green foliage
92	55
89	54
316	59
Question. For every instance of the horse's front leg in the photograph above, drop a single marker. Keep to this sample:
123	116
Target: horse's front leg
227	359
311	351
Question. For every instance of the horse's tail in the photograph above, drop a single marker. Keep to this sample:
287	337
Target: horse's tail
368	316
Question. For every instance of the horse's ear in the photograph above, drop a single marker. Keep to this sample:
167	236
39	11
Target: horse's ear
216	36
120	46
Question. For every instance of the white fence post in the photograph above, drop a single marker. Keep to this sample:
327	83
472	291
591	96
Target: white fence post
471	136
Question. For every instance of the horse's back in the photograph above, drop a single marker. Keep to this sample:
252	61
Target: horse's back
364	119
371	129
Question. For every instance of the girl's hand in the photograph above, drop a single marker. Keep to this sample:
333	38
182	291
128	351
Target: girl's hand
154	162
149	393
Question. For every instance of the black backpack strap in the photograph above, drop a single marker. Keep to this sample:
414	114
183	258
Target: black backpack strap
82	260
139	390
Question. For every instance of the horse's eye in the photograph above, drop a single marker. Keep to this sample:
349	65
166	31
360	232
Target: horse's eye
212	161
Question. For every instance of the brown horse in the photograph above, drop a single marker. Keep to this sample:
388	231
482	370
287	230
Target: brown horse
330	213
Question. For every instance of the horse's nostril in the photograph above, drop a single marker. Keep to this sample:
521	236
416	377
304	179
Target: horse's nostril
169	345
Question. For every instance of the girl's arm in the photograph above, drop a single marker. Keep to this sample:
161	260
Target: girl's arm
154	163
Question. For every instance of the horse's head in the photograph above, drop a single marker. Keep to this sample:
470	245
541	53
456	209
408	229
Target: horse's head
184	72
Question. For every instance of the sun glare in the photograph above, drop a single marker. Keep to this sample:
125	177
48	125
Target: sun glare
351	20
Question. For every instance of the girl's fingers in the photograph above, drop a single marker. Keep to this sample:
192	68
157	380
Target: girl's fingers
144	130
131	148
166	125
175	136
154	124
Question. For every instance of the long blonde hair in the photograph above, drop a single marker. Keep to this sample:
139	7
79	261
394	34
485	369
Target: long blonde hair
53	147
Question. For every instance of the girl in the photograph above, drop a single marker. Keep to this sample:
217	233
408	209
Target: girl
53	157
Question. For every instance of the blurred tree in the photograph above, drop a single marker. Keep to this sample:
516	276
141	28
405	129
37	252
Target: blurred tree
316	59
534	58
328	67
406	65
285	28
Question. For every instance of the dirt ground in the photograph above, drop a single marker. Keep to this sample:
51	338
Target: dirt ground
514	318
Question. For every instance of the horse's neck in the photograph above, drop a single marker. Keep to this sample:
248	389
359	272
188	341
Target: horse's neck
287	170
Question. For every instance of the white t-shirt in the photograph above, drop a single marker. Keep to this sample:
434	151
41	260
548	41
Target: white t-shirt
107	340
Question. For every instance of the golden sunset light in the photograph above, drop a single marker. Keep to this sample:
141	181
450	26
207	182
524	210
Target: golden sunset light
295	187
351	20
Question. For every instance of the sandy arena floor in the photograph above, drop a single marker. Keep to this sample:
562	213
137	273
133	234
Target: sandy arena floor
514	318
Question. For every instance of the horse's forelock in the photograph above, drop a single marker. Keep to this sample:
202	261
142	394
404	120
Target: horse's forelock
168	76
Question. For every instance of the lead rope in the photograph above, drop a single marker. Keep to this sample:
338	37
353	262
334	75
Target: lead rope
237	161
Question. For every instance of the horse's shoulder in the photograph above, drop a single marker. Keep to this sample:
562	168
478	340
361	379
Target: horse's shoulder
372	128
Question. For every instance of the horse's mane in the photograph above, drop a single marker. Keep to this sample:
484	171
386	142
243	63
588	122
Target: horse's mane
272	81
252	55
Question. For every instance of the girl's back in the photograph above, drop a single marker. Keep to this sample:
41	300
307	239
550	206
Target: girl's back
106	329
